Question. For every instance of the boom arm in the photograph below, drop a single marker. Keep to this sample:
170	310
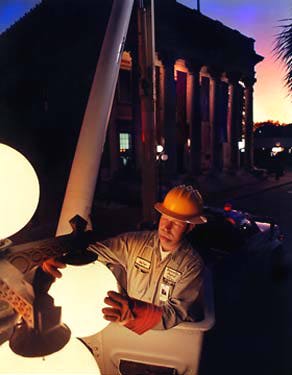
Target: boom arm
85	167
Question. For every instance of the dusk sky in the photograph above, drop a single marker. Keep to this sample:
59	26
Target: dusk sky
255	18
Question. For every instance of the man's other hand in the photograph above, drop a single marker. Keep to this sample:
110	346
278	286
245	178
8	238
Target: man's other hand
51	266
120	310
136	315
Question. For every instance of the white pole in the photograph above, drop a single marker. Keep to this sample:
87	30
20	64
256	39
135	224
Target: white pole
85	167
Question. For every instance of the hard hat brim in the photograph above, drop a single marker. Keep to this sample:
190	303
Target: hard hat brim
197	219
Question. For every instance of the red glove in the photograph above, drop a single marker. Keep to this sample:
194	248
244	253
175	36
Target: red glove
51	266
120	310
136	315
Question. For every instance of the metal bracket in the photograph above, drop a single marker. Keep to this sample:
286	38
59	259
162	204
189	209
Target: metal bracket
16	291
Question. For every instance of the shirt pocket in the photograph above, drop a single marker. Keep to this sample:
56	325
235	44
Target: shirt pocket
138	283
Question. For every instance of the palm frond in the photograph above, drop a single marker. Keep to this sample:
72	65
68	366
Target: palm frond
283	49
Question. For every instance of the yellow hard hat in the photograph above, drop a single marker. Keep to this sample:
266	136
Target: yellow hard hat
183	203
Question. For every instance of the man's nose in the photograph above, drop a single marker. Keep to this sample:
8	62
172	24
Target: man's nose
168	225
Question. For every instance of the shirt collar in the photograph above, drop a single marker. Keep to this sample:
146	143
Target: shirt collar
173	254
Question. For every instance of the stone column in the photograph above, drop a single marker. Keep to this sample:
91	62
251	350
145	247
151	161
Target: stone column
216	144
136	108
232	122
248	121
170	113
146	58
195	118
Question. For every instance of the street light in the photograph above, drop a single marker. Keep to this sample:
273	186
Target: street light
40	343
74	358
241	145
81	292
277	149
161	157
19	197
164	157
159	149
19	191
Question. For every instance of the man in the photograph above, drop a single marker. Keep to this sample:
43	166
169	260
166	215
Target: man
163	272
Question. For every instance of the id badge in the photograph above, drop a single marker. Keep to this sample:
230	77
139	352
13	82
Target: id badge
164	292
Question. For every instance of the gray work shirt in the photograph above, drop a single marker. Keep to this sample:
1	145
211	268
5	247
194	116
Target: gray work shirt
173	283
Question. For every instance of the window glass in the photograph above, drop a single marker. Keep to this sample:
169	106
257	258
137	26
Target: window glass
125	142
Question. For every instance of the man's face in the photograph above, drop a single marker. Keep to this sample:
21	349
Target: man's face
171	232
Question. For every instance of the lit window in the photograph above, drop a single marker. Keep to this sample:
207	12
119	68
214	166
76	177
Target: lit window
125	142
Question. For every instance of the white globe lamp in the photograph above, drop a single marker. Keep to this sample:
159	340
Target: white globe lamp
74	358
19	191
81	292
159	148
19	197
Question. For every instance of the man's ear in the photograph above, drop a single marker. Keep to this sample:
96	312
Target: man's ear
190	227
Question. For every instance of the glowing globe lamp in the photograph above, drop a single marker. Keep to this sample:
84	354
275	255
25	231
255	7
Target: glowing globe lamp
277	149
74	358
81	292
19	191
159	148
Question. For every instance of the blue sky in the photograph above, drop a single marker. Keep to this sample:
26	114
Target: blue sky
12	10
256	18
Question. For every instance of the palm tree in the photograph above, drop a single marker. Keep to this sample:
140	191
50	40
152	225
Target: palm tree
283	49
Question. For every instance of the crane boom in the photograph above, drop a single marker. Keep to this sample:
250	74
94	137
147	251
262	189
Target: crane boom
85	167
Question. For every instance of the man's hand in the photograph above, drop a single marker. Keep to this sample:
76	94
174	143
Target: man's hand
120	310
51	266
138	316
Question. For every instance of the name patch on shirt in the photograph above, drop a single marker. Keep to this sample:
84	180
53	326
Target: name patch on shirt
171	275
142	264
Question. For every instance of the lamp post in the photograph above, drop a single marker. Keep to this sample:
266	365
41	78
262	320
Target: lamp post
19	197
40	342
78	298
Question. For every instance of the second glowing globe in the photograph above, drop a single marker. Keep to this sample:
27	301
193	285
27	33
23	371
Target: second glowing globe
81	292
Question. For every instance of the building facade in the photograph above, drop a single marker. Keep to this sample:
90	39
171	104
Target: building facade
205	74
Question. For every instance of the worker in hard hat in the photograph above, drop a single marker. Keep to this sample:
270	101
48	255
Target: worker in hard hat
163	271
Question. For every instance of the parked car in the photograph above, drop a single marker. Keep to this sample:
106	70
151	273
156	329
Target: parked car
228	231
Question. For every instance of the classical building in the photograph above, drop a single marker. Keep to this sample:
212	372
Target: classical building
205	74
